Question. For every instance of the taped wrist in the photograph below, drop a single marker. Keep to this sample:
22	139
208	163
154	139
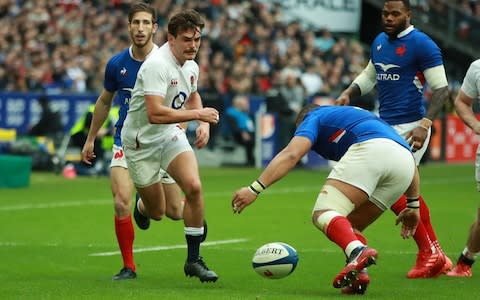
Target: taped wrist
256	187
413	203
425	123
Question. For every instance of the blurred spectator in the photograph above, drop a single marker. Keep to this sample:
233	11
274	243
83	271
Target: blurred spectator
50	122
311	80
242	126
325	41
285	99
61	46
211	97
79	133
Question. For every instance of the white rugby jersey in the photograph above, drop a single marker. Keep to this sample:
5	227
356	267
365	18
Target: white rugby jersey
471	82
160	75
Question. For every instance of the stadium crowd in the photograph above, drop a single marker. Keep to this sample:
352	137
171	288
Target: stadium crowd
61	46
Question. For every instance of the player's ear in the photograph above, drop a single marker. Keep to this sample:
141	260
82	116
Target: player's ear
155	27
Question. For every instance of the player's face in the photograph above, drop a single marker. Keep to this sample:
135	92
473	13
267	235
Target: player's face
141	29
185	45
395	18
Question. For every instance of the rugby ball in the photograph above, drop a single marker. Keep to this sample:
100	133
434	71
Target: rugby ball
275	260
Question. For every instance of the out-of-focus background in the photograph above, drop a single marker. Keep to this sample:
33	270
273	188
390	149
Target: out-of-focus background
264	57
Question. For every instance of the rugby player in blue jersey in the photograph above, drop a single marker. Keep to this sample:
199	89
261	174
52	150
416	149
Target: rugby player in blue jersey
120	75
374	167
402	58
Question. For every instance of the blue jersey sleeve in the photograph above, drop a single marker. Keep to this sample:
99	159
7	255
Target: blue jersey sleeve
428	53
110	82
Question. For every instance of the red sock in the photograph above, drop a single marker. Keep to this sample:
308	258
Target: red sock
400	205
425	217
421	235
125	237
340	232
361	237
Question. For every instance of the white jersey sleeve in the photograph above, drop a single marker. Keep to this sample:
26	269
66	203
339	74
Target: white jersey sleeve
471	82
154	77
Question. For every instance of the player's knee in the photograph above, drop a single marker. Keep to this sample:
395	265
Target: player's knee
322	218
330	198
157	215
175	212
193	187
122	205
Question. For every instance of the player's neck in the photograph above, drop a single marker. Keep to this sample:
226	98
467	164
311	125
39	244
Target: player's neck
178	61
141	53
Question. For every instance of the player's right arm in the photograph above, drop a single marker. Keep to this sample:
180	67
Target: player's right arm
158	113
362	85
100	114
278	168
469	91
464	108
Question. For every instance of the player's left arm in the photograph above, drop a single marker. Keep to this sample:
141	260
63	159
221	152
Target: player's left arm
280	165
203	129
437	81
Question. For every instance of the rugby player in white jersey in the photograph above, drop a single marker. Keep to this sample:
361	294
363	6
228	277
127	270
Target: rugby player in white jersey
469	92
165	94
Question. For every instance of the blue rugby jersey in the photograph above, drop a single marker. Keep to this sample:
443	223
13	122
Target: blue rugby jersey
333	129
120	76
399	65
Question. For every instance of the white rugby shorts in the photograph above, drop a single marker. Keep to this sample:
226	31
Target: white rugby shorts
380	167
147	162
404	129
118	160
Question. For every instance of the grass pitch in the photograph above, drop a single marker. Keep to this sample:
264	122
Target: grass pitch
57	241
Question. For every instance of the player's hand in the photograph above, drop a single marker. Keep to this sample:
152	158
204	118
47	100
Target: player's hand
409	217
87	153
203	135
343	99
241	199
416	138
209	114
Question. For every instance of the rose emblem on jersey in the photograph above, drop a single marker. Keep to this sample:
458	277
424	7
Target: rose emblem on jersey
118	155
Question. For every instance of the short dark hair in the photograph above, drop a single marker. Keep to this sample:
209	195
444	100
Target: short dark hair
305	110
184	21
406	3
142	7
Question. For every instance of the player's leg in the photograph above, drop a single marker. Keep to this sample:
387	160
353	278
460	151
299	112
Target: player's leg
180	162
429	248
384	181
175	202
184	170
349	186
469	254
174	198
122	189
336	200
467	258
146	173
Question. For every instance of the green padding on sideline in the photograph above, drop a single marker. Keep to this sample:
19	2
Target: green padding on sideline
15	171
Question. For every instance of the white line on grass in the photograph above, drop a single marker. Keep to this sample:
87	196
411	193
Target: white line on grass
297	189
161	248
214	243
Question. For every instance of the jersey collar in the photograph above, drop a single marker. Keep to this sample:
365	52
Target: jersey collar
406	31
130	52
